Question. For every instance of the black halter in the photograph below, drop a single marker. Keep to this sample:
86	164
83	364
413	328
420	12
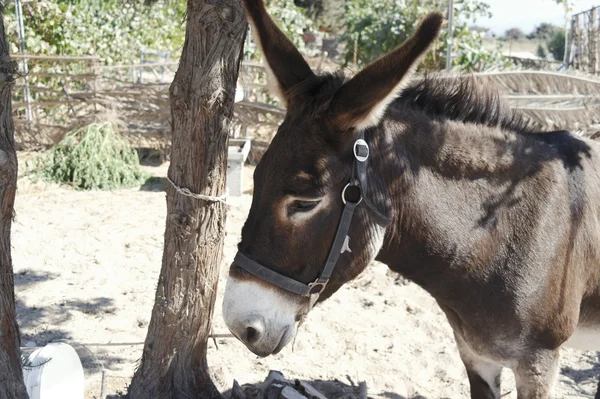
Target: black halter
352	195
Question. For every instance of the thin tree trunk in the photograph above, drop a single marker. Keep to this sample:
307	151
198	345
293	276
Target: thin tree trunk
11	375
173	363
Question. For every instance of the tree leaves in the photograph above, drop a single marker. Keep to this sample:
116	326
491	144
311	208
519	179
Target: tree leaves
378	26
114	30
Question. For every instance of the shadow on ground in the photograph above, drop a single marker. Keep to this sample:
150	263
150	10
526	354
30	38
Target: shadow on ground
154	184
151	156
41	324
578	378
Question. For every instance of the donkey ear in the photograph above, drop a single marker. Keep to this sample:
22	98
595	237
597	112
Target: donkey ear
361	102
284	60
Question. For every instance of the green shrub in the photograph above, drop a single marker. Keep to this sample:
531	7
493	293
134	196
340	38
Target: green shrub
556	45
92	157
541	52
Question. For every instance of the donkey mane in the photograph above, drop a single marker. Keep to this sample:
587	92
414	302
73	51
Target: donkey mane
462	99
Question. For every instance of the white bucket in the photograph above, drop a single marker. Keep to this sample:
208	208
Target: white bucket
239	93
54	372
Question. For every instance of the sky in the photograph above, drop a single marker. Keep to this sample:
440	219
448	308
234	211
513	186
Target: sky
526	14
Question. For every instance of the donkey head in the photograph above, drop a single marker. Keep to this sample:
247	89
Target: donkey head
296	205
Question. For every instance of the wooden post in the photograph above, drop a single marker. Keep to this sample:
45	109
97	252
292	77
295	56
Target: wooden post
95	67
568	56
577	41
173	363
586	42
593	41
11	375
593	35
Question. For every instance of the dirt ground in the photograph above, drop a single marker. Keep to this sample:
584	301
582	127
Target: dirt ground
87	265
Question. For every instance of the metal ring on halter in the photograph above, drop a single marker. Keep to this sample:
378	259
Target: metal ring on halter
344	193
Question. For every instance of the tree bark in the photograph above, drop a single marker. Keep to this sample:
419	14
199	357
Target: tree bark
11	374
173	363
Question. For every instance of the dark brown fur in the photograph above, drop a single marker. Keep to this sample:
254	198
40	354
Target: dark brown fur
498	222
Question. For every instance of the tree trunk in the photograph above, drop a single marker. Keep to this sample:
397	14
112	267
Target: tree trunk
11	374
173	363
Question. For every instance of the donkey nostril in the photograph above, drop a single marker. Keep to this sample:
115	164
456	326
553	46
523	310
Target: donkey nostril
251	335
254	331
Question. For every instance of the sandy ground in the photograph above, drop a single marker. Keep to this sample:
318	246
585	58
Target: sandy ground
87	265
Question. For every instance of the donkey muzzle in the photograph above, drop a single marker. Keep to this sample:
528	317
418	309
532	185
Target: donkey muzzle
263	317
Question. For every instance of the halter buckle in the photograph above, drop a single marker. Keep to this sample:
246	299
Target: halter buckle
361	150
317	287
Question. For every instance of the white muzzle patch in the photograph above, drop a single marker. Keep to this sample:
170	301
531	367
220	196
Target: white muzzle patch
265	319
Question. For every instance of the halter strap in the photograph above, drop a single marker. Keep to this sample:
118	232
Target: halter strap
294	286
314	289
268	275
360	165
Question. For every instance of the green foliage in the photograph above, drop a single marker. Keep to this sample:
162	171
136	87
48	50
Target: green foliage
568	4
376	27
541	52
93	157
326	14
514	34
379	26
471	56
114	30
556	45
292	20
544	31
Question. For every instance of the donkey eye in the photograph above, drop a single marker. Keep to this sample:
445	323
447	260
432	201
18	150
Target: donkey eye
304	206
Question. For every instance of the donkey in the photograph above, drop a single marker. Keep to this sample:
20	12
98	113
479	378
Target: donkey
442	182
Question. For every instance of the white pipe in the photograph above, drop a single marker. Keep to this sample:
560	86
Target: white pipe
22	49
450	35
